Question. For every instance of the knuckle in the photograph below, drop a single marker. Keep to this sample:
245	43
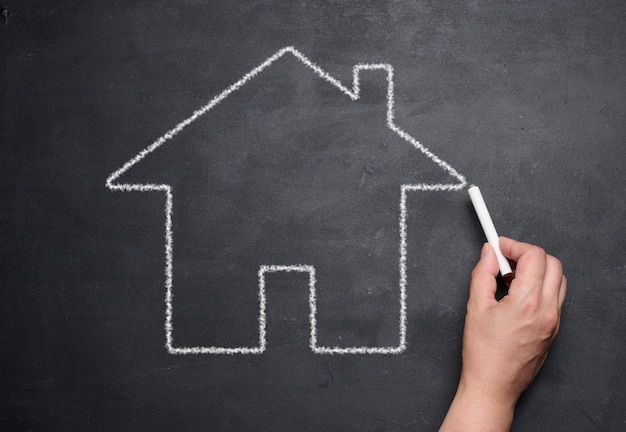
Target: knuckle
550	321
555	263
475	273
537	252
529	306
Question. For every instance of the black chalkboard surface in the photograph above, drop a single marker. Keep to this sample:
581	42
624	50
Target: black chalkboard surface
254	216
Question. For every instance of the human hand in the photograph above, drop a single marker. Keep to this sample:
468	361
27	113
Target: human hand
506	342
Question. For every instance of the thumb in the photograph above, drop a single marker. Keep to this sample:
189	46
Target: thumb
483	284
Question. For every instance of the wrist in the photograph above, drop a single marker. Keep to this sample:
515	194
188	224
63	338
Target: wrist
474	409
501	398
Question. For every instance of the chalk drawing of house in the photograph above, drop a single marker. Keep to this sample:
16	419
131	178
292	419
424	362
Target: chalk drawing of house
352	93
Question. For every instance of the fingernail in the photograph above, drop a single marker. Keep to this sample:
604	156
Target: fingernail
484	250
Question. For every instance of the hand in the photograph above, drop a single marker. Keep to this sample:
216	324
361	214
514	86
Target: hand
505	343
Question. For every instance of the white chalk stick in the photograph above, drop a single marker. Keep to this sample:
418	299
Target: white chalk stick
488	228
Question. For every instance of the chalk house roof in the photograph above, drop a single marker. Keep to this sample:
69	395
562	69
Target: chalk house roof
353	92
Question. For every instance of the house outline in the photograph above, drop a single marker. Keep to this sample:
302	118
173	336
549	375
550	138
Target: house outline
354	95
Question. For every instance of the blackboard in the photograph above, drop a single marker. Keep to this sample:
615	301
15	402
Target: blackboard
239	216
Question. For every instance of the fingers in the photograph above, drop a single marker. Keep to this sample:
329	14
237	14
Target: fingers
483	285
552	280
537	274
513	249
562	292
536	271
561	300
531	263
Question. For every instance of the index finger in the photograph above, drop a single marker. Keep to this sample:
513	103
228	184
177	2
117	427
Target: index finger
531	263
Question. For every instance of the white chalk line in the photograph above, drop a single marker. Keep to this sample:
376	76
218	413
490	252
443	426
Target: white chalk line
354	95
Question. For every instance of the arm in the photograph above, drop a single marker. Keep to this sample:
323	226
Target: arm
505	343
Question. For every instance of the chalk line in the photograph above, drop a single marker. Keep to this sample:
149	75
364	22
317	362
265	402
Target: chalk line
353	94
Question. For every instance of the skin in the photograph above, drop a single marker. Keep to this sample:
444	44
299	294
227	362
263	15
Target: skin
505	343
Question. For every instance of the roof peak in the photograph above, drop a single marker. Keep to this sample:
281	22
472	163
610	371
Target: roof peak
353	93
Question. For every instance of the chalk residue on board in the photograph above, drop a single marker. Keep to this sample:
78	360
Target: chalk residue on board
5	14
